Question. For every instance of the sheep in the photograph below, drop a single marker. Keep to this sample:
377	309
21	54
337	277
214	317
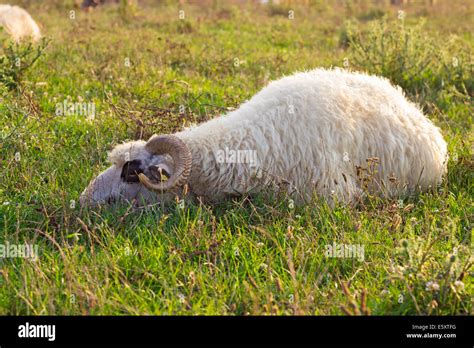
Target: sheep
18	23
330	133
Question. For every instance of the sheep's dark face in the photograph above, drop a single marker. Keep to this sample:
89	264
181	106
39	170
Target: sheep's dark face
120	182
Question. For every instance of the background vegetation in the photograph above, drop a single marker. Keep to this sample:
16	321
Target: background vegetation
149	70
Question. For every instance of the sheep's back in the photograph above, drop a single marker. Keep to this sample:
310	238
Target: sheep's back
316	128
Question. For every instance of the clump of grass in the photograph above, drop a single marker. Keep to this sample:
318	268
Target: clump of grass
375	13
433	287
16	59
278	10
428	68
127	9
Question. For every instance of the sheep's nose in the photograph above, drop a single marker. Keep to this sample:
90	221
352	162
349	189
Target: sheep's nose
111	200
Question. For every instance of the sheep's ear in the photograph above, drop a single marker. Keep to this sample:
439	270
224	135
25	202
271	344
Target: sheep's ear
130	171
158	173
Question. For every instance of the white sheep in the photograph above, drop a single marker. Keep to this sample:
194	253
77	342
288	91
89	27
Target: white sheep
18	23
334	133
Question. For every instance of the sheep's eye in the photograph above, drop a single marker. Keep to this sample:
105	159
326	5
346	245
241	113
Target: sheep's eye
131	170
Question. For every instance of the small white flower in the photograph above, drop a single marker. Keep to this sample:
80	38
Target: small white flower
400	269
401	15
181	298
459	285
432	286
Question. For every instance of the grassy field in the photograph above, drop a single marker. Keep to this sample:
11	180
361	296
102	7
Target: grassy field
147	70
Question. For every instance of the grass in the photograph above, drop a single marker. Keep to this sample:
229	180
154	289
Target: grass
147	71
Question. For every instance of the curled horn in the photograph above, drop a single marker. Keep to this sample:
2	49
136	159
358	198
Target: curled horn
179	152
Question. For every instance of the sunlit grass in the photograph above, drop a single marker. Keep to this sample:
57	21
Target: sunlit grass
259	255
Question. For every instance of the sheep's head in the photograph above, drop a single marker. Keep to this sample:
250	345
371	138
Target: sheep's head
141	172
